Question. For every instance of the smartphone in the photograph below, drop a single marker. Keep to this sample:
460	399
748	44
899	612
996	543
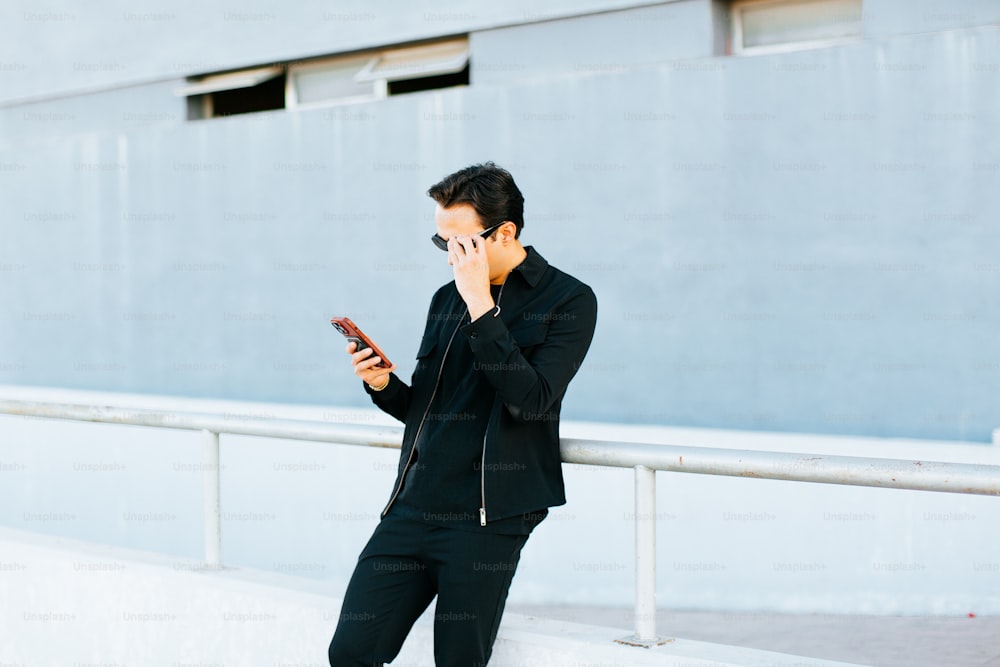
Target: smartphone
352	333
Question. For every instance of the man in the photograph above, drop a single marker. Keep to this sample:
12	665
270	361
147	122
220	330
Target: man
480	463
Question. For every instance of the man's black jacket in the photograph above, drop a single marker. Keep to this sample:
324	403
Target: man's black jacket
485	397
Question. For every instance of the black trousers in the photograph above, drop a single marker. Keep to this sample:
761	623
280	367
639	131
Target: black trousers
404	565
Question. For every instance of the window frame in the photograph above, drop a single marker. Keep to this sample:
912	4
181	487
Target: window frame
291	93
736	30
223	81
456	63
380	83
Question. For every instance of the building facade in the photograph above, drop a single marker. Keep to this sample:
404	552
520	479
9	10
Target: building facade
785	208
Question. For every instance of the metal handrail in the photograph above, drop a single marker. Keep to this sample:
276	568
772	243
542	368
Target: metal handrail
644	458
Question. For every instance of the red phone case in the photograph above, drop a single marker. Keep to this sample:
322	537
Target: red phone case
352	333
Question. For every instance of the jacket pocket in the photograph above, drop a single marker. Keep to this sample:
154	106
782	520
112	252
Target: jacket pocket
427	346
425	354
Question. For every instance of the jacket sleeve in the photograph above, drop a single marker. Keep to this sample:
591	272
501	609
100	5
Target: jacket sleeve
530	388
394	399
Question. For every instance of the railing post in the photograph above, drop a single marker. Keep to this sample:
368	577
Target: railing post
645	559
645	554
213	502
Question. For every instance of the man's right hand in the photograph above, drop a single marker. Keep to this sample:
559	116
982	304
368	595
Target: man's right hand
364	366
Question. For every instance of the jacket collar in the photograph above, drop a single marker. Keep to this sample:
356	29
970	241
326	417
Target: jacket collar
532	267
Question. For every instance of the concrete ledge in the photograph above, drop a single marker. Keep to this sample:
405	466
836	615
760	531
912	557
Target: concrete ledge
76	603
525	640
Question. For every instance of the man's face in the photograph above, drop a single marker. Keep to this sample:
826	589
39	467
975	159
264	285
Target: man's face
462	220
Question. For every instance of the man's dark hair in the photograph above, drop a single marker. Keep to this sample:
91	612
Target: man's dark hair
489	189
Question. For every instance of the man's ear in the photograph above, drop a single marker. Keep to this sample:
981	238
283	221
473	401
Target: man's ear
510	233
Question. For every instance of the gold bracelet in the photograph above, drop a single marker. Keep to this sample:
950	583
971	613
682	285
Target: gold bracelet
384	385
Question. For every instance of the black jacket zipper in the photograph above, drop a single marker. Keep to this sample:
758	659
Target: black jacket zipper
482	472
416	438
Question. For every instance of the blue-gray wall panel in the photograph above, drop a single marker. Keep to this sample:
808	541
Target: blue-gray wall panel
599	43
883	18
112	110
791	242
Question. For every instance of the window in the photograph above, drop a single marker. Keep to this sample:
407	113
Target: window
379	74
245	91
322	81
417	62
338	80
770	26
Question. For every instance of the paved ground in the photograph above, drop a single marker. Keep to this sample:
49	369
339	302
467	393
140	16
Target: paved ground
880	641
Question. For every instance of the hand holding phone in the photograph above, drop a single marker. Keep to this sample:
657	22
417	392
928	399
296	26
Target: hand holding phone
354	335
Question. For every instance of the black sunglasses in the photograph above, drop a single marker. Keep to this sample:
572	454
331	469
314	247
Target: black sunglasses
443	245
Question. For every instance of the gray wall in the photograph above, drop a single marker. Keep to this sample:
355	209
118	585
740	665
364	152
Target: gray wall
791	242
599	43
